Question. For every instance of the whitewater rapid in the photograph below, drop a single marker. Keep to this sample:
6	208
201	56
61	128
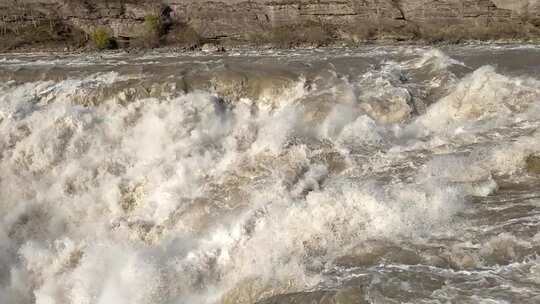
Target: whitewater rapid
376	175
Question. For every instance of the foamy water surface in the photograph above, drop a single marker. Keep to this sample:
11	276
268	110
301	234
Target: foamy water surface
374	175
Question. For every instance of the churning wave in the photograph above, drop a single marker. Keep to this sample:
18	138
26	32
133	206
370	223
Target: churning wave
378	179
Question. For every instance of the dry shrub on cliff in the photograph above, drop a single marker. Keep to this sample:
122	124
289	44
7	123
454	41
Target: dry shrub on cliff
152	32
102	39
283	37
311	33
462	32
398	30
533	163
153	24
357	33
362	31
183	35
41	34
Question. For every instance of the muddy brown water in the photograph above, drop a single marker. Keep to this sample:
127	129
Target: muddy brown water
383	174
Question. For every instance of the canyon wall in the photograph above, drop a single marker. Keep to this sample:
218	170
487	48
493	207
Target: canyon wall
241	20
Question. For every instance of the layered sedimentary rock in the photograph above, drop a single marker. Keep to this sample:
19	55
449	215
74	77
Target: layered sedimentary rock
123	17
242	19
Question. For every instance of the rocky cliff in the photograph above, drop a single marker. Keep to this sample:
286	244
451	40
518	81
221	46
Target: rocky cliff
261	21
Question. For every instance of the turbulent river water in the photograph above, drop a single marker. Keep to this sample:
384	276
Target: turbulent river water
395	174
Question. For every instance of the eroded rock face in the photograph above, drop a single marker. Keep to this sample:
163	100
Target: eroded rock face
243	20
123	17
528	7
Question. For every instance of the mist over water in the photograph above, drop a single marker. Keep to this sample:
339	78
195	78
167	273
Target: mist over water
376	175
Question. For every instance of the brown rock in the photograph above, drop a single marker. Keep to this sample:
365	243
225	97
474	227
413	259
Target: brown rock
243	20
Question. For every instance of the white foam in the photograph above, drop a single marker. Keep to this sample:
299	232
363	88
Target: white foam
482	95
183	199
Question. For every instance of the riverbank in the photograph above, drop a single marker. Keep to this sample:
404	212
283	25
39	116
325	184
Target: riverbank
219	49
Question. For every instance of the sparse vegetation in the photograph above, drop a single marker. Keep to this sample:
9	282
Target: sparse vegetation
157	29
311	33
185	36
40	34
533	164
102	39
153	24
362	31
153	30
357	32
462	32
